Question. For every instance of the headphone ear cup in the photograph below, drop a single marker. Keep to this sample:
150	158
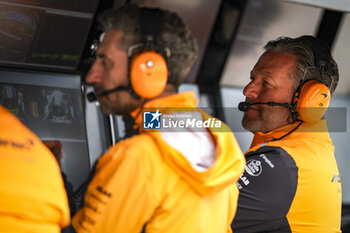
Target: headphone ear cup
148	74
313	101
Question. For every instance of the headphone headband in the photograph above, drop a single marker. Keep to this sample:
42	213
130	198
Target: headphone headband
321	51
151	25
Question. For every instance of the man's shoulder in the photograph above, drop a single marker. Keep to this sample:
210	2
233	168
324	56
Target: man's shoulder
136	141
139	147
310	147
137	153
272	155
276	150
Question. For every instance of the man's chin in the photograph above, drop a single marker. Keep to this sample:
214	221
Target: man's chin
250	125
106	109
253	123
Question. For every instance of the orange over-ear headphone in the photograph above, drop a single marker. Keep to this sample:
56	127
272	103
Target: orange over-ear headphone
148	72
312	97
312	101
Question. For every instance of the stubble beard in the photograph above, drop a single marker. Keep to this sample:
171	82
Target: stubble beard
116	106
266	120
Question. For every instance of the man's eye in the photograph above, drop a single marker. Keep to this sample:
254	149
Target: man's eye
266	82
104	63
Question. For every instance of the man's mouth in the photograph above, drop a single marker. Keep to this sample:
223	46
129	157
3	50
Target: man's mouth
251	110
98	91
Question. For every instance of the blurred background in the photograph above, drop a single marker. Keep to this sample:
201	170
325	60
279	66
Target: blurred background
46	50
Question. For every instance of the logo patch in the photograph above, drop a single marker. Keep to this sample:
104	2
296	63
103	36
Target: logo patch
151	120
336	178
253	167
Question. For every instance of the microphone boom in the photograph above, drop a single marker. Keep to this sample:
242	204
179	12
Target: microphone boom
91	96
244	106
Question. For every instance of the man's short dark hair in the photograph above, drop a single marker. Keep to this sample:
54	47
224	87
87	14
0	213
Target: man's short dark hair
303	50
175	35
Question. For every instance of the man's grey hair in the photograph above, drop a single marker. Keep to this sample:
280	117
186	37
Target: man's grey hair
305	59
175	36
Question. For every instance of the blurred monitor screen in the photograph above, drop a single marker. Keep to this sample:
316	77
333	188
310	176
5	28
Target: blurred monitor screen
45	35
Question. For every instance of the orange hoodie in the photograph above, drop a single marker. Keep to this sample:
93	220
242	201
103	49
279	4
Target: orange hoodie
144	181
32	195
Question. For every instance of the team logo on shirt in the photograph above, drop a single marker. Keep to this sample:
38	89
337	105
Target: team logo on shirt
151	120
253	167
336	178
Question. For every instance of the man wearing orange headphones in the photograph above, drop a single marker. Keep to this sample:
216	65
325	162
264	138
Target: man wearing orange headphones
291	182
175	181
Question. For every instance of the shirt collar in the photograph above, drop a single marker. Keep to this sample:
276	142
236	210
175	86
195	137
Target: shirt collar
318	129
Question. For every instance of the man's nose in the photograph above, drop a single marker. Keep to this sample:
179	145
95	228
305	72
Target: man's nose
95	74
251	90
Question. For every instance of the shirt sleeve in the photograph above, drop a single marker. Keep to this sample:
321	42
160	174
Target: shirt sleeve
267	188
119	198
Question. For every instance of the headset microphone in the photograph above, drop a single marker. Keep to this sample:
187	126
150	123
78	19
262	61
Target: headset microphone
244	106
91	96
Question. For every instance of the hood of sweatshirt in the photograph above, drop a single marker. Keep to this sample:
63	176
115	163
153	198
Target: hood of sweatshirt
209	159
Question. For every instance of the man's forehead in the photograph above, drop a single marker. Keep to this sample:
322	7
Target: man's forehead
262	71
109	41
111	37
275	60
